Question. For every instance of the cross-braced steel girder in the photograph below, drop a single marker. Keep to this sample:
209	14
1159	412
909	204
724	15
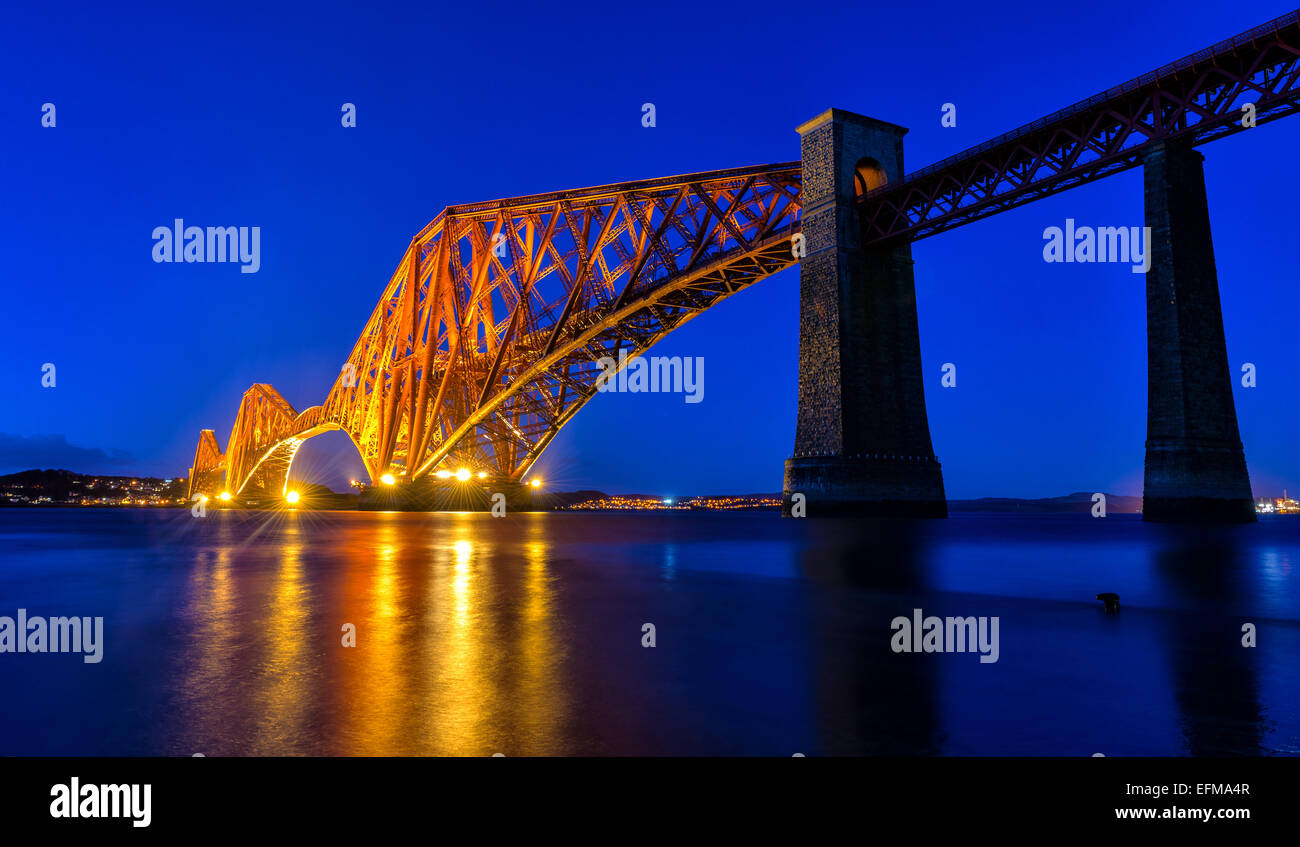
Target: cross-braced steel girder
263	442
209	465
1196	100
489	335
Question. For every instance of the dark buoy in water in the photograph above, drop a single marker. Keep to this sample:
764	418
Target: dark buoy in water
1111	601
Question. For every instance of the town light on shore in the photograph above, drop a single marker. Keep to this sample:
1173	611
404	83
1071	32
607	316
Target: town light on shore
292	496
387	479
444	474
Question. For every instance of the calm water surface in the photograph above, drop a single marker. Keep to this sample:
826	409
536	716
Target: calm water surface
523	635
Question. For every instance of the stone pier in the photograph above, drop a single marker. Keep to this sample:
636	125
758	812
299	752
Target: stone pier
862	439
1195	466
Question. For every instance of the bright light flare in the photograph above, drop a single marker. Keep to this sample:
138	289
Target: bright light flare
444	474
292	496
387	479
225	495
463	474
536	483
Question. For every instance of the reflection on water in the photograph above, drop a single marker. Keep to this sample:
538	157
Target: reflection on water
523	635
1216	680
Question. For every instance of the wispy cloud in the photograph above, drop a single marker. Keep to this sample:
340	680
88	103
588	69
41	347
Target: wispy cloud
21	452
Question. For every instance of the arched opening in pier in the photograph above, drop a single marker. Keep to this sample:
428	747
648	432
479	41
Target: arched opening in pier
867	175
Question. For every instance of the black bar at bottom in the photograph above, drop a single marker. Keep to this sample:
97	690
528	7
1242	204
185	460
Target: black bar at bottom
297	796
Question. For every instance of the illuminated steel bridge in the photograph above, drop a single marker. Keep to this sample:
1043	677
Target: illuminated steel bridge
487	338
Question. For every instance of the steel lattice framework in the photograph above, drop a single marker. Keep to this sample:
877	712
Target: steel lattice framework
1194	100
488	336
209	464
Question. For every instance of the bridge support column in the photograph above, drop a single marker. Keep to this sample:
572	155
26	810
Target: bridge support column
862	440
1195	467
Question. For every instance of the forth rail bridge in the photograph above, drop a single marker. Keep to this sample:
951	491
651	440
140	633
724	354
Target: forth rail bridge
487	337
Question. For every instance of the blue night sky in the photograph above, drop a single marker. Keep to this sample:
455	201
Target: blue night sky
229	115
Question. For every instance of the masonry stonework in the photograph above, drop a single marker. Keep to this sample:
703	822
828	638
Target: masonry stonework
862	439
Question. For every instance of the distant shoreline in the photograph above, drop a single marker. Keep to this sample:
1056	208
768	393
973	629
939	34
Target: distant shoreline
63	488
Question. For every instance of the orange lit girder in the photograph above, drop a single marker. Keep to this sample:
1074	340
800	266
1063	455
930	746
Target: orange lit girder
487	337
207	474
